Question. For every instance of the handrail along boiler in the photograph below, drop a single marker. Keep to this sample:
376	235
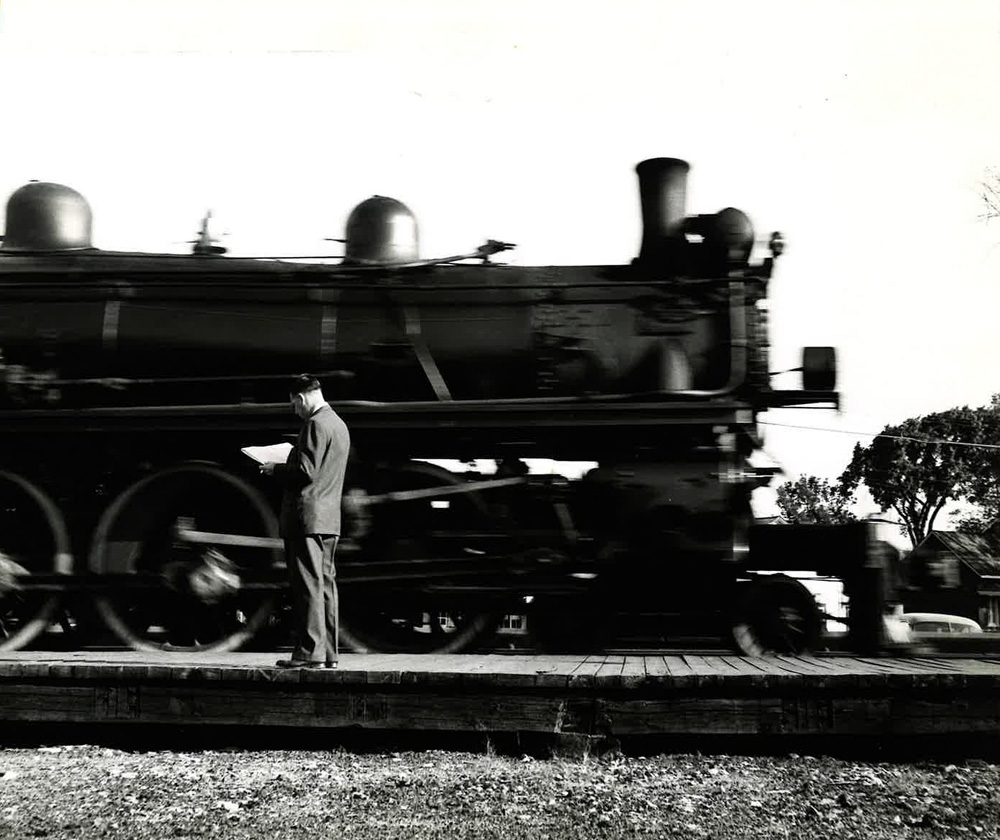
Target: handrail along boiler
129	383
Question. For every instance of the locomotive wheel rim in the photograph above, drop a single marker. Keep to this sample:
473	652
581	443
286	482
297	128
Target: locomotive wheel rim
62	562
794	621
109	611
481	620
109	614
479	624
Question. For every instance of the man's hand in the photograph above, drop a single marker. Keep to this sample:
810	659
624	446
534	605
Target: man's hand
267	469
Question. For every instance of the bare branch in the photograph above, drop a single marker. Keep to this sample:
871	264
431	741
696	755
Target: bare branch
990	194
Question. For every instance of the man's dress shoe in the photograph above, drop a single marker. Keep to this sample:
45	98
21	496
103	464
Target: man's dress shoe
299	663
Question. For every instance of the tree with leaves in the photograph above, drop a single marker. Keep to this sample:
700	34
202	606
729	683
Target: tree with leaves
973	522
916	467
813	500
983	490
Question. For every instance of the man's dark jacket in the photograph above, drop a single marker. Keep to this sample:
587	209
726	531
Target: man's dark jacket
313	476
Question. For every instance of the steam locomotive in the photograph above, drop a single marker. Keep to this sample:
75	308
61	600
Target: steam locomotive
130	383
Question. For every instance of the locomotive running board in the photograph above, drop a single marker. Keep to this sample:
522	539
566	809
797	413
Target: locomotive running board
473	413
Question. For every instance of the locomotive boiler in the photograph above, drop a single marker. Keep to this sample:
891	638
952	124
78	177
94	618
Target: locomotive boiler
130	383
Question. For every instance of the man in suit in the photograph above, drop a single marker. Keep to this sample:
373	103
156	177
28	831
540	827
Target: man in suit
313	481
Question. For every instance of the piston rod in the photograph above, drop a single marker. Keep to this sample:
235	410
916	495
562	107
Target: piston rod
190	535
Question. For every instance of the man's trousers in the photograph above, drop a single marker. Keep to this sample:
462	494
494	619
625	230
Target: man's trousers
315	602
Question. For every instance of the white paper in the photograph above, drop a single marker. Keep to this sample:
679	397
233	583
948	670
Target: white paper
276	453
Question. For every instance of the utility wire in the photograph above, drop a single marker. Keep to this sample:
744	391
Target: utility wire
882	434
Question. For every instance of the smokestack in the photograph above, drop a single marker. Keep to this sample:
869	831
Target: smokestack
663	198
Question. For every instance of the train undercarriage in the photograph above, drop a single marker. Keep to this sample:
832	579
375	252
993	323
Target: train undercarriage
177	548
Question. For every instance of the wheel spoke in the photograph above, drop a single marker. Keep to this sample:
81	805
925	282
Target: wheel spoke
199	598
388	617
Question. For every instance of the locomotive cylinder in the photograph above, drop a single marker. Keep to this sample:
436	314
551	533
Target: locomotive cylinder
663	199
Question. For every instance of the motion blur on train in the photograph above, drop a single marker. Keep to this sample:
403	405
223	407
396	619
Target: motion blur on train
130	383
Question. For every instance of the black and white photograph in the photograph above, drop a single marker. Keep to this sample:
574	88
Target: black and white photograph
555	419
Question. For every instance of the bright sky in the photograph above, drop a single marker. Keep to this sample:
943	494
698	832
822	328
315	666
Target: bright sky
860	129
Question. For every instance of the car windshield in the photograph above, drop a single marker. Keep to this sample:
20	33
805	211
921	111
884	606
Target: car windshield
931	626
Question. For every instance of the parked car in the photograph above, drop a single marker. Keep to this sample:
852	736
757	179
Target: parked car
936	624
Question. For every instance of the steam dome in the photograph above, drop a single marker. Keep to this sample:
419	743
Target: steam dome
47	217
381	231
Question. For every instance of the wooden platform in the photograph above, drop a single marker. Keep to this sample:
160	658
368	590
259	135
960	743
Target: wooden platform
607	696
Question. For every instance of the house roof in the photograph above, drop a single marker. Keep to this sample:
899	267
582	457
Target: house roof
979	553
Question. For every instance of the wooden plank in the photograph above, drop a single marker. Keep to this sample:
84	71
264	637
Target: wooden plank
562	665
473	663
706	666
588	668
745	665
377	710
51	703
805	666
946	666
916	666
677	667
552	672
434	664
585	673
379	669
514	671
656	668
844	675
796	715
685	715
834	714
878	674
609	674
976	666
841	664
823	664
777	667
939	713
895	665
859	665
633	672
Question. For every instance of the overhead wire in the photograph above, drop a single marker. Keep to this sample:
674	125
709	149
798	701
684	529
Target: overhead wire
909	438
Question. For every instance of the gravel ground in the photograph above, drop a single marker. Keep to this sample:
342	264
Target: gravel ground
91	791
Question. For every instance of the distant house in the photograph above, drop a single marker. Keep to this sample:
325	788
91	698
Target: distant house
955	573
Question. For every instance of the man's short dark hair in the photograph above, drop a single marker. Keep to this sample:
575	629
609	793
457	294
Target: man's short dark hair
303	383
